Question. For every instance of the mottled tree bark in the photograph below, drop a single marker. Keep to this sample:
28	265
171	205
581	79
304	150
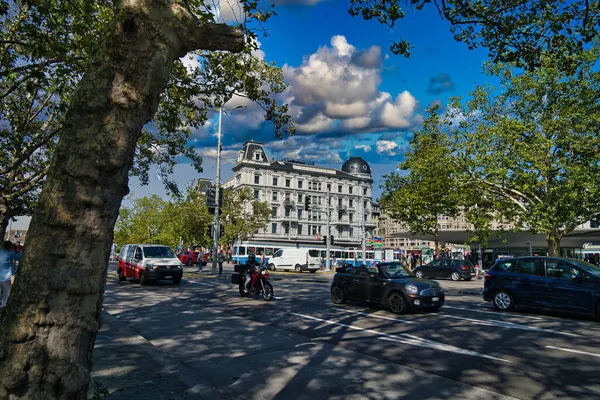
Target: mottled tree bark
48	329
553	238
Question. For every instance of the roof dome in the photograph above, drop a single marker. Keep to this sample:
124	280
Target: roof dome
356	165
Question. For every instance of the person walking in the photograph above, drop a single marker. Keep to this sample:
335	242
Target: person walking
220	260
262	259
7	270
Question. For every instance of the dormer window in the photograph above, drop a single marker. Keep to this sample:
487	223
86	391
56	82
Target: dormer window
257	156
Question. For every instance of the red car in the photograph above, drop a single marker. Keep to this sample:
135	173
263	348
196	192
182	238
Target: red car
189	257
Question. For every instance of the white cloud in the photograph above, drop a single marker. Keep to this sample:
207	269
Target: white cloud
364	147
338	86
388	147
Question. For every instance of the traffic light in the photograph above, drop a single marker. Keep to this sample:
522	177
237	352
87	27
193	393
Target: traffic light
210	197
331	242
325	239
307	200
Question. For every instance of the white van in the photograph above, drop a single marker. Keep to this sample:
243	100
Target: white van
288	259
149	262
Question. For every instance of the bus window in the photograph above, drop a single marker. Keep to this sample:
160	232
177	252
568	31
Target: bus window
268	251
251	250
323	253
370	255
337	254
235	251
242	251
350	255
260	251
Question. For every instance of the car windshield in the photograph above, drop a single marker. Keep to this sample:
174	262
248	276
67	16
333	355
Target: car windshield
591	269
394	270
159	252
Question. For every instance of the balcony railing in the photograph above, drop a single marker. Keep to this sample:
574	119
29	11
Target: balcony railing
289	203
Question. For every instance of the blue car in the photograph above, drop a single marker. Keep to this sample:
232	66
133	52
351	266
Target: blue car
544	282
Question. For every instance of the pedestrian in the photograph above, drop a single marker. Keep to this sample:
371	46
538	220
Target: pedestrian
7	270
262	259
220	260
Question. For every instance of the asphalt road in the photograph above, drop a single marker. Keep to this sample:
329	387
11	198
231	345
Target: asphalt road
300	345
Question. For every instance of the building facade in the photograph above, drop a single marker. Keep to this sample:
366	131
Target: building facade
298	194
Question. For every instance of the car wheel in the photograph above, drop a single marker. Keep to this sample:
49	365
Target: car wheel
189	262
298	268
503	301
337	295
143	279
455	276
122	276
272	267
397	303
419	274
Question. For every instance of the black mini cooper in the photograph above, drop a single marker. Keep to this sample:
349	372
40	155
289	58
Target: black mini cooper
388	284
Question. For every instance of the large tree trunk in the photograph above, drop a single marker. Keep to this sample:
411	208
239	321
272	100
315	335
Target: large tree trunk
553	238
4	220
48	330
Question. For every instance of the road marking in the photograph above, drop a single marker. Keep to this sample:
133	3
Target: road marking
374	315
504	324
407	339
493	312
586	353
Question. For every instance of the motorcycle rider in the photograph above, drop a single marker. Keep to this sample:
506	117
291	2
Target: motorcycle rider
252	263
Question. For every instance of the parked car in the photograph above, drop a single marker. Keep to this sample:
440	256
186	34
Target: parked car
295	259
149	262
446	268
189	258
544	282
388	284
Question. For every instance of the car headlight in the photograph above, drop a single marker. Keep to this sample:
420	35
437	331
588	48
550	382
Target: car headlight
410	288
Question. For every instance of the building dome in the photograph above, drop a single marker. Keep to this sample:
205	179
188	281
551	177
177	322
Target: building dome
356	166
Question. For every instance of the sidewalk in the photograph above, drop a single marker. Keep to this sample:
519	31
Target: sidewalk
129	367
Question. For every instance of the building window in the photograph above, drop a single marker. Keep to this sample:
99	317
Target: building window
340	216
319	185
299	184
351	232
256	179
350	217
273	228
350	189
299	213
286	229
287	212
299	229
256	194
287	195
274	181
274	196
237	178
288	182
314	229
350	203
340	203
364	191
299	198
329	187
364	204
339	188
274	212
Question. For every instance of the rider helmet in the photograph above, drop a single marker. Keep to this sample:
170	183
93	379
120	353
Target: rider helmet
251	257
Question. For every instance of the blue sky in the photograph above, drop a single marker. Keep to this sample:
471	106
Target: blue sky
348	93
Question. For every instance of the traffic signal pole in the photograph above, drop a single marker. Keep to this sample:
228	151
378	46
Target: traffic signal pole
327	252
216	230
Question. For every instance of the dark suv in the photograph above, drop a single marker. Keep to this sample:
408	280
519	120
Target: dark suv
446	268
544	282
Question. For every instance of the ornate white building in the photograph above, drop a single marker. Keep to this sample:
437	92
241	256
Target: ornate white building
285	185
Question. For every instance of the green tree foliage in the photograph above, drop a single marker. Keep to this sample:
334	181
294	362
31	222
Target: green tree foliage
44	48
530	155
242	215
154	220
517	31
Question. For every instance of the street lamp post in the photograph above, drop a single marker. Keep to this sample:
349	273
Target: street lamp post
217	229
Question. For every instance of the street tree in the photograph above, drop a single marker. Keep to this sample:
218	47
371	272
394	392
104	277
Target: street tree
531	151
242	215
44	49
425	190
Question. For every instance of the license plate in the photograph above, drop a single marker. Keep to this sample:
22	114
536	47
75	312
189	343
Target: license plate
168	277
435	299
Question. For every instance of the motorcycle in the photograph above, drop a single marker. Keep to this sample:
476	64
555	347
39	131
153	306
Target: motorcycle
259	283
